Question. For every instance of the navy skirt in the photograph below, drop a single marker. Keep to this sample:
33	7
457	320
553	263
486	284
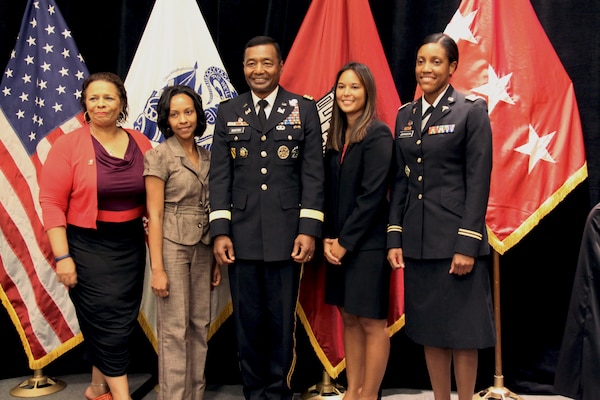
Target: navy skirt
110	263
448	311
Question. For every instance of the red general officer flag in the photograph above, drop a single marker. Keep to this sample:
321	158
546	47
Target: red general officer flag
39	101
539	157
328	39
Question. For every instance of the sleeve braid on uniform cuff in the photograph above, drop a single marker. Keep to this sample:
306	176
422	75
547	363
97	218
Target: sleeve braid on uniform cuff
471	234
313	214
219	214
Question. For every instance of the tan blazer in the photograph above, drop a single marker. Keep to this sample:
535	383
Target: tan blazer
186	210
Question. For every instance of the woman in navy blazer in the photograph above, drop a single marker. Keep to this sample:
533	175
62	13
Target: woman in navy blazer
357	162
437	220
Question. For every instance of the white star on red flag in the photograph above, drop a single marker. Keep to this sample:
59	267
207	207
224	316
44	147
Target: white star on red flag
533	170
495	89
536	148
460	27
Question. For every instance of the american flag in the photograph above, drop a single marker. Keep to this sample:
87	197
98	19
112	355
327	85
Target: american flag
39	101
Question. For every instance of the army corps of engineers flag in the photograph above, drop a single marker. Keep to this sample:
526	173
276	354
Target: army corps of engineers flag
539	157
177	48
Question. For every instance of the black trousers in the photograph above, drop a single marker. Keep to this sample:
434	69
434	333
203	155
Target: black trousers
264	296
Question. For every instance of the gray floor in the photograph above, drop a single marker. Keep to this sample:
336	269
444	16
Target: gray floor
76	384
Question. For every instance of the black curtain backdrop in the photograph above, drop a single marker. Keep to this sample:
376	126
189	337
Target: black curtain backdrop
536	274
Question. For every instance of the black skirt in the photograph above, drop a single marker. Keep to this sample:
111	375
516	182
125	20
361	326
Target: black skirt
110	263
361	284
447	310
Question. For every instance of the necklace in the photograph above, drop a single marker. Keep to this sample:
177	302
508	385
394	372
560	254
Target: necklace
106	147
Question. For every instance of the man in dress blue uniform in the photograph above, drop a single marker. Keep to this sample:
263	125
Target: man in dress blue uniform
266	197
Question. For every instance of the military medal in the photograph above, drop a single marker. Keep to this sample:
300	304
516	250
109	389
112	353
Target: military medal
283	152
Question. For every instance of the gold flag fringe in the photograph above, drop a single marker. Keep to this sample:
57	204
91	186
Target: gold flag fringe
50	356
502	246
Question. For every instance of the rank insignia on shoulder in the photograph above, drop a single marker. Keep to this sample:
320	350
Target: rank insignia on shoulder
225	100
308	97
473	97
402	106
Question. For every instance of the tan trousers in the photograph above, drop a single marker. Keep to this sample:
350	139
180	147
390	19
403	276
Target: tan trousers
183	318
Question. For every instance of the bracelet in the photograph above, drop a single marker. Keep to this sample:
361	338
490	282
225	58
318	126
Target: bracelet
57	259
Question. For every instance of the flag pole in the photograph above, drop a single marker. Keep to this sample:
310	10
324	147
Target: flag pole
497	391
324	390
38	385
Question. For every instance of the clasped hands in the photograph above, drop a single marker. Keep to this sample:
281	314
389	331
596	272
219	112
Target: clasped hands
333	251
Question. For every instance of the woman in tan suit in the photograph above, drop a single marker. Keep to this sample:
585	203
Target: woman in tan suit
183	267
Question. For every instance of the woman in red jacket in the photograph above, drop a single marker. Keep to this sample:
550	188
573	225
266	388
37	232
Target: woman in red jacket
92	196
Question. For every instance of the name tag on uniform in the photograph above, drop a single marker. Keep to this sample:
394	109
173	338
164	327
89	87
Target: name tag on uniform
441	129
236	130
406	134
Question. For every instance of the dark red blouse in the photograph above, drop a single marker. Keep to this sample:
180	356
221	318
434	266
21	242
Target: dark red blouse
120	181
